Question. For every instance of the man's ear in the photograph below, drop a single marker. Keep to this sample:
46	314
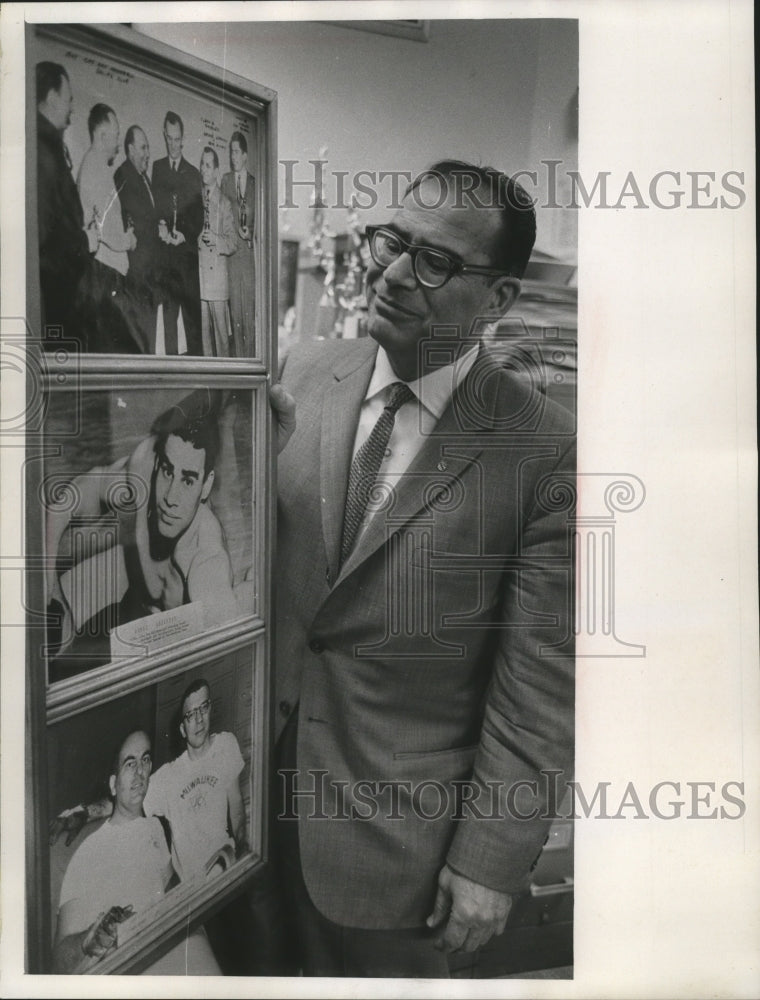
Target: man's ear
182	730
208	483
112	784
504	292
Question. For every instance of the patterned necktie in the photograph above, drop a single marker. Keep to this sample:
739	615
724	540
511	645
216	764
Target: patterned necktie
147	185
366	465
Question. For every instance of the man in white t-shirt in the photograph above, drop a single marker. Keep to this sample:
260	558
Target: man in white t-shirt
120	871
199	792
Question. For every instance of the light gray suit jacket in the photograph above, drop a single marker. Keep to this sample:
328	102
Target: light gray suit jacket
440	652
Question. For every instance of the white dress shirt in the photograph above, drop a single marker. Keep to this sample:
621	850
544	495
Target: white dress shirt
415	420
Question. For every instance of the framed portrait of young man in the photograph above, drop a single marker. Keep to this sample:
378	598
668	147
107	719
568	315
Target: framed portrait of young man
148	496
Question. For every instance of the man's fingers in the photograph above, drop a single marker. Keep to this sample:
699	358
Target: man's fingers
454	935
284	408
70	821
441	907
476	938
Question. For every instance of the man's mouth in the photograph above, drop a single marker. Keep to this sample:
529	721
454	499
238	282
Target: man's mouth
390	308
165	516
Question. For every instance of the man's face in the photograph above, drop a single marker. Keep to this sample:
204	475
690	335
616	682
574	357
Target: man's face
139	151
60	105
402	312
208	170
179	486
130	783
110	138
173	138
196	718
238	158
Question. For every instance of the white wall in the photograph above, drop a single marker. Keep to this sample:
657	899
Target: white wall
491	91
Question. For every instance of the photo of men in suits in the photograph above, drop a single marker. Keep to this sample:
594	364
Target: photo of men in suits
104	308
423	639
64	242
239	186
177	193
138	210
216	244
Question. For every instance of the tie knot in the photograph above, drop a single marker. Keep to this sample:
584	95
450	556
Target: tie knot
399	394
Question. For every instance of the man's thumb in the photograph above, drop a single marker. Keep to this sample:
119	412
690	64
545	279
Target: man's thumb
441	907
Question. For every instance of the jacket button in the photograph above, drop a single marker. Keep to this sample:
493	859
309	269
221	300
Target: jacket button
316	646
285	707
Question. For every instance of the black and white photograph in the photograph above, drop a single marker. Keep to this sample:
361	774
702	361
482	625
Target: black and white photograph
149	216
155	803
149	522
379	500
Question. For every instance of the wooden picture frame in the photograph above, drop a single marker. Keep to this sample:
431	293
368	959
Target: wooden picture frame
96	461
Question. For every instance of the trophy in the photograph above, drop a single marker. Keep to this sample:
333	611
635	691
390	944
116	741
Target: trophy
244	219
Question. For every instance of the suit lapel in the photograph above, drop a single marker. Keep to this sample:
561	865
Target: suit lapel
340	415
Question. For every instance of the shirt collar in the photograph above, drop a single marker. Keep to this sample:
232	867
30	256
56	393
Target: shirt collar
433	390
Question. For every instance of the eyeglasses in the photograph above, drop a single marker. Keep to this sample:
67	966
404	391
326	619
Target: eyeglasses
432	268
197	713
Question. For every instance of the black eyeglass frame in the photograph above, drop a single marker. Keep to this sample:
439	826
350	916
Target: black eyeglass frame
456	266
199	712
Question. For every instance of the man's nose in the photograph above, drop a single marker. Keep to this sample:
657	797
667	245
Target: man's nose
401	272
172	494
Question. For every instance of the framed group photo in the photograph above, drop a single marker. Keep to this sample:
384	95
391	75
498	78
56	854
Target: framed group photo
149	218
148	494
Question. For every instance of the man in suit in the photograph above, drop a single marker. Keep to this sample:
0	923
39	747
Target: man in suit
103	302
177	191
424	676
216	244
64	243
138	209
239	186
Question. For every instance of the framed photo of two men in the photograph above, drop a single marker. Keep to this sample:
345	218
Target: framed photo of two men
151	339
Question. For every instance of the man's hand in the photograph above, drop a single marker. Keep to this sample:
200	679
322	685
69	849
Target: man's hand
69	821
102	937
93	237
284	410
475	912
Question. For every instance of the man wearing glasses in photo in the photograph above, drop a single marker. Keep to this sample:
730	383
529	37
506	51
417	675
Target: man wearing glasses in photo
424	567
120	871
198	793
